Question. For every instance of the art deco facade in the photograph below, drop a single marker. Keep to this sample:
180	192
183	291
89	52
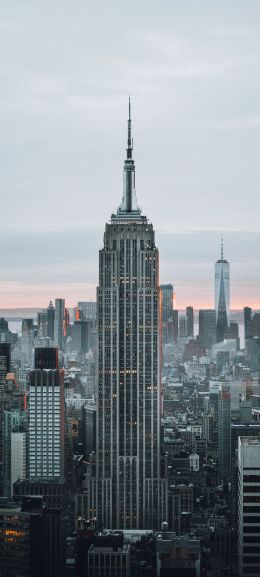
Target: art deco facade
128	489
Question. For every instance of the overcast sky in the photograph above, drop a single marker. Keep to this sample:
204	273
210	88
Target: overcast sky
66	69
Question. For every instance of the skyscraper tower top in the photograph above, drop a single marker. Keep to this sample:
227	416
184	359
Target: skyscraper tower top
222	251
222	294
128	209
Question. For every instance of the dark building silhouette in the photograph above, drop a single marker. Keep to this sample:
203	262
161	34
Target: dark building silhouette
248	322
207	327
46	358
190	321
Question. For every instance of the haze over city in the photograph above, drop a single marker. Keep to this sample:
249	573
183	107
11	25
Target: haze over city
65	79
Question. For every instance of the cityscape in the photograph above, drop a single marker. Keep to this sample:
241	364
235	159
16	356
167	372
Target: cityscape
129	289
130	444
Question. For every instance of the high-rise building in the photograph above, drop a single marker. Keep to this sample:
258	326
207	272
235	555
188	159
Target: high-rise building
224	423
14	437
183	326
89	309
23	538
59	323
175	318
27	342
248	506
42	324
256	324
190	321
167	302
166	311
5	362
247	322
129	489
207	327
50	321
222	294
46	419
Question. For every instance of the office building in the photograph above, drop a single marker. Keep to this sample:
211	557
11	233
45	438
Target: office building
50	321
242	429
46	358
23	538
175	320
190	321
166	311
27	342
207	328
59	323
182	326
247	322
80	332
5	362
177	556
224	421
89	309
14	437
109	561
255	324
46	420
222	295
52	543
249	506
130	492
42	324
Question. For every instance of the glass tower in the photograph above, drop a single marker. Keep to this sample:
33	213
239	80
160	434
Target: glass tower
222	295
128	490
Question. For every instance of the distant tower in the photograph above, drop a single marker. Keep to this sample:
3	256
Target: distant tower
50	321
59	323
222	291
248	322
190	321
27	342
207	327
129	490
167	310
5	362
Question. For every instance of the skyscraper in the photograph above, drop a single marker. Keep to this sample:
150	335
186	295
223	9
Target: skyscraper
222	291
50	320
5	362
59	323
190	321
27	342
46	418
248	322
224	421
207	327
248	505
167	310
129	490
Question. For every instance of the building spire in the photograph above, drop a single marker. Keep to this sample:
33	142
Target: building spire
128	208
222	250
129	135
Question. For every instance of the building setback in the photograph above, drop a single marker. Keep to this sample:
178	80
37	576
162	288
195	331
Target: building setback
128	489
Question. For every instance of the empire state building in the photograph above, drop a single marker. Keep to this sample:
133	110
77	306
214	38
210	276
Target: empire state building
128	491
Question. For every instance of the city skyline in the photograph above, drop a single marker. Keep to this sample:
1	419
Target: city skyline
192	77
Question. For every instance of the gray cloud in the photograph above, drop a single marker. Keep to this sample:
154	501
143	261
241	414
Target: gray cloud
65	73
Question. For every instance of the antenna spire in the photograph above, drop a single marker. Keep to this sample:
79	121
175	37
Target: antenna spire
222	249
129	135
